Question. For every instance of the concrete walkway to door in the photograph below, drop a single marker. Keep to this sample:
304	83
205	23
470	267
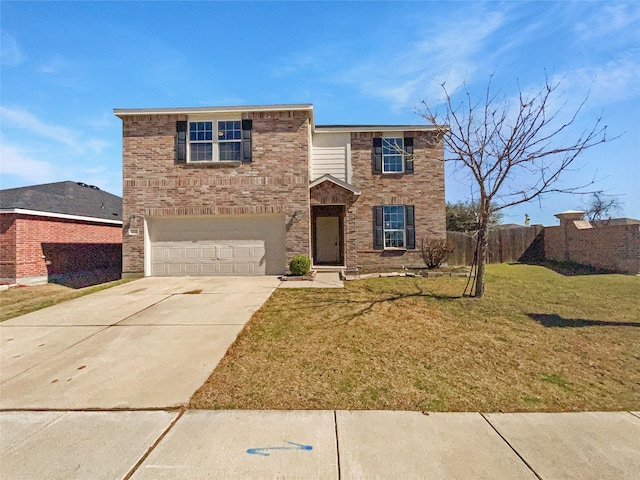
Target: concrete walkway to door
146	344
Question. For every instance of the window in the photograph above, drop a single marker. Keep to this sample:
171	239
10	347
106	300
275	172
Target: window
394	227
392	155
393	218
201	141
229	140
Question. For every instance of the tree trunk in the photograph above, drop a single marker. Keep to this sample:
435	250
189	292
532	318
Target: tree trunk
483	244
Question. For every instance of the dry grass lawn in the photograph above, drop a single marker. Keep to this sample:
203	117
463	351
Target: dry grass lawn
22	300
537	341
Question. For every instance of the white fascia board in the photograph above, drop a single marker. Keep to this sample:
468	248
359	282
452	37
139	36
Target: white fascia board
37	213
378	128
123	112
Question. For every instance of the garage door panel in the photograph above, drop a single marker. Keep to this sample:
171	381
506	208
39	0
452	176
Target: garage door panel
192	253
226	269
175	254
209	269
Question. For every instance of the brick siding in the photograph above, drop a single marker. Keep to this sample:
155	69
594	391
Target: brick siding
424	189
22	254
276	181
609	247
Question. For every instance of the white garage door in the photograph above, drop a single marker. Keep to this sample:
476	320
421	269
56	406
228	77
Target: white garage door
216	245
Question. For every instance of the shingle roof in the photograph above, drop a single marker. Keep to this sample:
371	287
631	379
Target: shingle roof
67	198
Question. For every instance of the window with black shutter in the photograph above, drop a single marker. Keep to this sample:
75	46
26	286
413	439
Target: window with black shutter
392	155
247	126
394	227
181	142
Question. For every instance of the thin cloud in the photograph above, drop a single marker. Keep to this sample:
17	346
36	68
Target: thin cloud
17	117
17	163
20	118
450	55
56	65
10	52
610	19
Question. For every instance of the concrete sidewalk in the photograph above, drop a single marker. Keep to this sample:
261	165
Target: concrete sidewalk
321	280
318	444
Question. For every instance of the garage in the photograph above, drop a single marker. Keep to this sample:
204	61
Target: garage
214	245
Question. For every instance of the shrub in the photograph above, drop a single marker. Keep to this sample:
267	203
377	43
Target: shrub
300	265
434	252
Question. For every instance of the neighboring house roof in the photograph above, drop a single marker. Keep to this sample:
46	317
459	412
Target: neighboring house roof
330	178
72	200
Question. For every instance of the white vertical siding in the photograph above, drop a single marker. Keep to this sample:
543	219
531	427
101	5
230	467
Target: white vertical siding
330	155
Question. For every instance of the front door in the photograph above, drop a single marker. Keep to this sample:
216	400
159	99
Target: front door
328	240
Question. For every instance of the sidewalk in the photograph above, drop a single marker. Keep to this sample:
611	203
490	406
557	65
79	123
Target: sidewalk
321	280
318	444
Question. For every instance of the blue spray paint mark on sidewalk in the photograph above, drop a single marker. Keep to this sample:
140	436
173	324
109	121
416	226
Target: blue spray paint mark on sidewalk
264	451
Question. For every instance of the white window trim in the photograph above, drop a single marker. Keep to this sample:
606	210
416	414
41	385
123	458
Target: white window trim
404	229
215	150
387	136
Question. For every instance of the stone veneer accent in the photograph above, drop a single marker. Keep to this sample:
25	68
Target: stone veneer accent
277	181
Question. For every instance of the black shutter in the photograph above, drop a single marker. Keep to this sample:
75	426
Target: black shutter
181	142
376	155
410	226
408	155
378	232
247	125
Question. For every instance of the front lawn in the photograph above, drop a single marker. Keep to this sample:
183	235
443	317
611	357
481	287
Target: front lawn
537	341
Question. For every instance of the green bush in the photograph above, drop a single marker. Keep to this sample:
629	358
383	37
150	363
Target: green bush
300	265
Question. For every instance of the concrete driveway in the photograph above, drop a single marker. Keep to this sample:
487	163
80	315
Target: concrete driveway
146	344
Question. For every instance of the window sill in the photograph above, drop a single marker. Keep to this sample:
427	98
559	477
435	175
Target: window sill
233	164
395	249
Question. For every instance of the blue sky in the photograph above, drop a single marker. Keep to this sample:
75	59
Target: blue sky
66	65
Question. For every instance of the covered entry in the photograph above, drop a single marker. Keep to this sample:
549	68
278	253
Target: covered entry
212	245
328	234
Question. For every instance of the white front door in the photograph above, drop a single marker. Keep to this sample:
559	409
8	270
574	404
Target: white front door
327	239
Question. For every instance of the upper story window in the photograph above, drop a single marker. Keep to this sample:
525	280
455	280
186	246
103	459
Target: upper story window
392	155
229	140
201	141
219	141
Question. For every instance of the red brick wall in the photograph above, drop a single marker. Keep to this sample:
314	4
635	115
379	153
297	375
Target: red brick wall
8	246
275	182
424	189
32	231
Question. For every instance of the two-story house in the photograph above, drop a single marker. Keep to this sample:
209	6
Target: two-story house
241	190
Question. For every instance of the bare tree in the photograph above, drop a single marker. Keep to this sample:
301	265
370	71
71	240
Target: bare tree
602	207
512	150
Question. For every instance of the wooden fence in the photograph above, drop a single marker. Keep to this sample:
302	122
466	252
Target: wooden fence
517	244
